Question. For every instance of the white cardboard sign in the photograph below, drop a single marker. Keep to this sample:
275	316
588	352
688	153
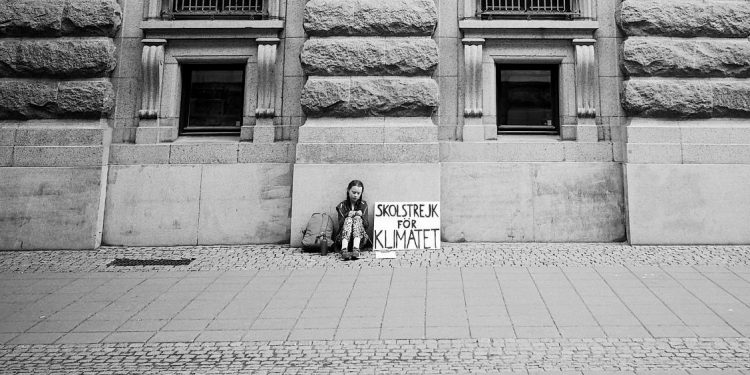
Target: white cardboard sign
406	226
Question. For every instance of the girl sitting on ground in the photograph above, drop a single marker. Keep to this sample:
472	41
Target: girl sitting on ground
353	223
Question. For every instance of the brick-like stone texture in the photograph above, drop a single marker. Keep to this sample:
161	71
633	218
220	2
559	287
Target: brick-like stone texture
688	18
59	17
686	98
731	99
677	57
370	56
365	96
36	99
57	58
370	17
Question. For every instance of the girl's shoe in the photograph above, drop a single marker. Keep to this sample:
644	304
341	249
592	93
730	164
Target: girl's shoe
346	255
355	253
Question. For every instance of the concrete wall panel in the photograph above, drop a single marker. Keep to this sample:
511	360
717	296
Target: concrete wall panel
688	204
487	202
525	202
152	205
245	203
198	204
579	202
49	208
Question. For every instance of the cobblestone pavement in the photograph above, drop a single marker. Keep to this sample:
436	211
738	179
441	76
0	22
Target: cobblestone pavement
673	356
451	255
468	308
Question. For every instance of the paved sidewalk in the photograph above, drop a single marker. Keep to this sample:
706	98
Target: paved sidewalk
466	308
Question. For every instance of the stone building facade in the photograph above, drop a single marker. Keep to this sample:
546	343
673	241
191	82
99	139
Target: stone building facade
183	122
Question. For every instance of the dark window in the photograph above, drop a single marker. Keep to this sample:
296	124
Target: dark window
527	8
252	9
212	99
527	99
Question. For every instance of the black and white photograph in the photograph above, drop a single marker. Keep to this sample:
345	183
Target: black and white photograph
528	187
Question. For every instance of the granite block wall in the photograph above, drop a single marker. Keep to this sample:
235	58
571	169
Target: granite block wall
56	60
687	95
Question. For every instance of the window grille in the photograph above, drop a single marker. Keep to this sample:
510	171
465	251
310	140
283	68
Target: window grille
527	8
217	8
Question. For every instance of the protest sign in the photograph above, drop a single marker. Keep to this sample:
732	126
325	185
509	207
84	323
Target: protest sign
406	226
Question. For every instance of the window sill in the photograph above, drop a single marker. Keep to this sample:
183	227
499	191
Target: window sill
193	139
536	29
527	138
211	29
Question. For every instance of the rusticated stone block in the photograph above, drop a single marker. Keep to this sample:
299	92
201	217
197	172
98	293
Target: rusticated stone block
658	98
686	18
92	17
24	100
731	99
686	98
370	56
57	58
85	99
370	17
79	99
59	17
686	57
362	97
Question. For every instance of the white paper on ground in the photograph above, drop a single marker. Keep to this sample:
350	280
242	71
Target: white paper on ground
385	255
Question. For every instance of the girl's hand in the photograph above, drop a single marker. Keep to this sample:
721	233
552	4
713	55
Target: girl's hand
358	213
351	214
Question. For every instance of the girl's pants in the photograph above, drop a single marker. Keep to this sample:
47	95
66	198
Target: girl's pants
352	227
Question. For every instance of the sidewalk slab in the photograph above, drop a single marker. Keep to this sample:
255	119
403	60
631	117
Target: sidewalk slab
441	309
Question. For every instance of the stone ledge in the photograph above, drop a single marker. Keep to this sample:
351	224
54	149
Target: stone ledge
344	153
34	136
7	136
653	134
686	18
81	58
367	134
128	154
267	152
526	151
693	153
668	57
58	156
368	96
667	98
369	56
206	153
370	17
6	156
653	153
201	153
59	17
713	131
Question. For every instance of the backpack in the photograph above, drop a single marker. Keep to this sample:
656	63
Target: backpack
318	234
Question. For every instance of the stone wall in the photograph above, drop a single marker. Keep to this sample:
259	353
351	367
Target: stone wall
687	93
56	57
369	99
382	38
